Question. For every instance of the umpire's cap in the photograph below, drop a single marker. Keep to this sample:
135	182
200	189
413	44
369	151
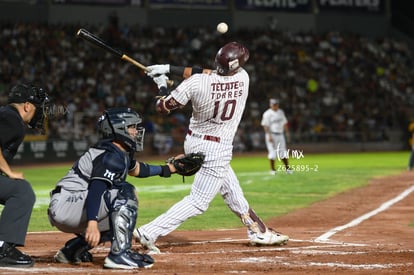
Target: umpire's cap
22	93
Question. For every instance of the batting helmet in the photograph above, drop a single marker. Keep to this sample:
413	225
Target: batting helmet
231	57
114	124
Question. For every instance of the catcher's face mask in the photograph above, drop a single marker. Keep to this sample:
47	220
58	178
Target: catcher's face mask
122	124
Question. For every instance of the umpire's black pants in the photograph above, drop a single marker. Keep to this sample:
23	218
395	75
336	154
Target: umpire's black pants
18	199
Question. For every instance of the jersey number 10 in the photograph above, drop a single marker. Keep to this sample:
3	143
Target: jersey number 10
227	110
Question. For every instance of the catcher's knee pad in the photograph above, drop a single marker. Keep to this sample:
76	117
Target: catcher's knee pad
253	222
123	217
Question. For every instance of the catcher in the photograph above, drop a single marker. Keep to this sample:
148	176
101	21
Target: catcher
96	203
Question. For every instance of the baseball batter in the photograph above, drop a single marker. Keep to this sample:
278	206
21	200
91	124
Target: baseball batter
275	126
218	100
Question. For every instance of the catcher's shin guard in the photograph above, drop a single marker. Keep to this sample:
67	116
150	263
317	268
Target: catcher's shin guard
123	218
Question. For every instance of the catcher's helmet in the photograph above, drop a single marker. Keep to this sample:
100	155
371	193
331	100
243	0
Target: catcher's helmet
114	124
22	93
231	57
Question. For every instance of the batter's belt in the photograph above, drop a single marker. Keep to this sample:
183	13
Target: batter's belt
205	137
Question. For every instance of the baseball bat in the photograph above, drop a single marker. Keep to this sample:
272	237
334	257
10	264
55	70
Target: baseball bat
91	38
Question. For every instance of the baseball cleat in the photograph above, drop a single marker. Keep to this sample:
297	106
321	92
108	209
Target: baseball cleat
10	256
76	258
146	242
270	237
129	259
75	251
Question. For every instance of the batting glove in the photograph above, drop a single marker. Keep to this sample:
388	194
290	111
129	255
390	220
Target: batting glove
155	70
161	81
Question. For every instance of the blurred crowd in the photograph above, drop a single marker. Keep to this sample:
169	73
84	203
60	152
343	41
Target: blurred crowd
332	86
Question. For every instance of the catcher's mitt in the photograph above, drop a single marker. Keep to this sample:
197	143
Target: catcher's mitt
188	164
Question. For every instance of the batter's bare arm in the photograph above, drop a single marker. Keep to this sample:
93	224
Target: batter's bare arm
186	72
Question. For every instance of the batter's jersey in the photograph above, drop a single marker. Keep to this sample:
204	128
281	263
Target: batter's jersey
104	161
217	102
275	120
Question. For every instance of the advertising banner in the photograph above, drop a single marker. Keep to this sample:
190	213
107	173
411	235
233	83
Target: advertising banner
50	151
359	6
203	4
275	5
98	2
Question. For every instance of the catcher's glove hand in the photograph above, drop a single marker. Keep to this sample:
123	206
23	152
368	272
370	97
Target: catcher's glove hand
188	164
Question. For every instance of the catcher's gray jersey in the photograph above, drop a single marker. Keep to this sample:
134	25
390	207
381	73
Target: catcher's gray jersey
67	209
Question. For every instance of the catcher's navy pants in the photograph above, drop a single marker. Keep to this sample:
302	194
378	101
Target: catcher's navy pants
18	199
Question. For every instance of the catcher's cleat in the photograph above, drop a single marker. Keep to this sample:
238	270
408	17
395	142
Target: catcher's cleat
84	257
128	259
75	251
146	242
270	237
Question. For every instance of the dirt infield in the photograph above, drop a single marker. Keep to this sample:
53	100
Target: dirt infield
363	231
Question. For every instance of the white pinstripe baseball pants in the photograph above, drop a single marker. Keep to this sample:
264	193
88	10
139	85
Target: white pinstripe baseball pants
216	175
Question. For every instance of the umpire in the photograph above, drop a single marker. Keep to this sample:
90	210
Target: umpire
26	107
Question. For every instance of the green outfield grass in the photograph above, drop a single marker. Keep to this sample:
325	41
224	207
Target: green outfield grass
318	177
